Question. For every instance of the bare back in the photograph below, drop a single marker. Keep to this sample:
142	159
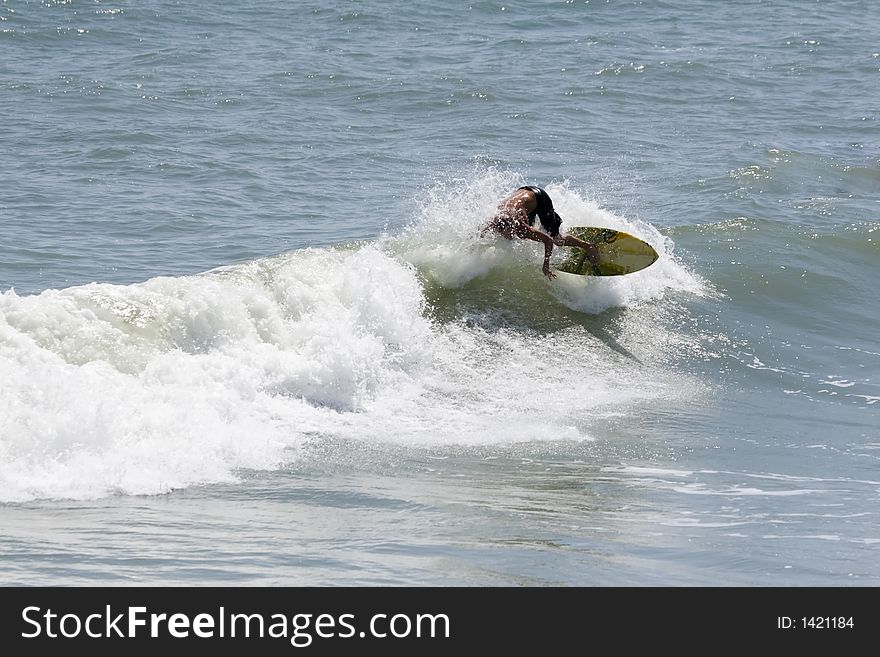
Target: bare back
513	215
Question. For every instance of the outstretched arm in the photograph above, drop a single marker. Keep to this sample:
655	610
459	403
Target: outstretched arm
589	247
538	236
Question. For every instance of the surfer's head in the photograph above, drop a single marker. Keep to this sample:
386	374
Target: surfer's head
551	223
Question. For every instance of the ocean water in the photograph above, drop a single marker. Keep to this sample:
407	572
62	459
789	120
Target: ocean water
250	335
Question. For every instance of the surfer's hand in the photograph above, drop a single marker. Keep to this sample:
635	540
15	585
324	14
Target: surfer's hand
592	254
549	274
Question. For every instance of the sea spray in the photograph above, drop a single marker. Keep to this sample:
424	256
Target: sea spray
445	242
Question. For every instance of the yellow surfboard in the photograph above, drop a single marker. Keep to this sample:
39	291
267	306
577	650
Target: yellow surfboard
619	253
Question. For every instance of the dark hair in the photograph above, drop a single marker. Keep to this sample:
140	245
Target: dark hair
549	219
551	223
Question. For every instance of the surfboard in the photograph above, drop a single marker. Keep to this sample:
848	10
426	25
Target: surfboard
619	253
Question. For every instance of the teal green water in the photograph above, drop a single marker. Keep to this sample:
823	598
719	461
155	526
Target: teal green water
249	332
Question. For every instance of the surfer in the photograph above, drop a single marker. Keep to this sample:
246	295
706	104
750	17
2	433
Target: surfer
516	218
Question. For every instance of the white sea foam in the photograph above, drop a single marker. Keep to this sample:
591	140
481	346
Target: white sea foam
444	238
149	387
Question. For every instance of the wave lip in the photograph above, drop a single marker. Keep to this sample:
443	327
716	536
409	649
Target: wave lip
145	388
